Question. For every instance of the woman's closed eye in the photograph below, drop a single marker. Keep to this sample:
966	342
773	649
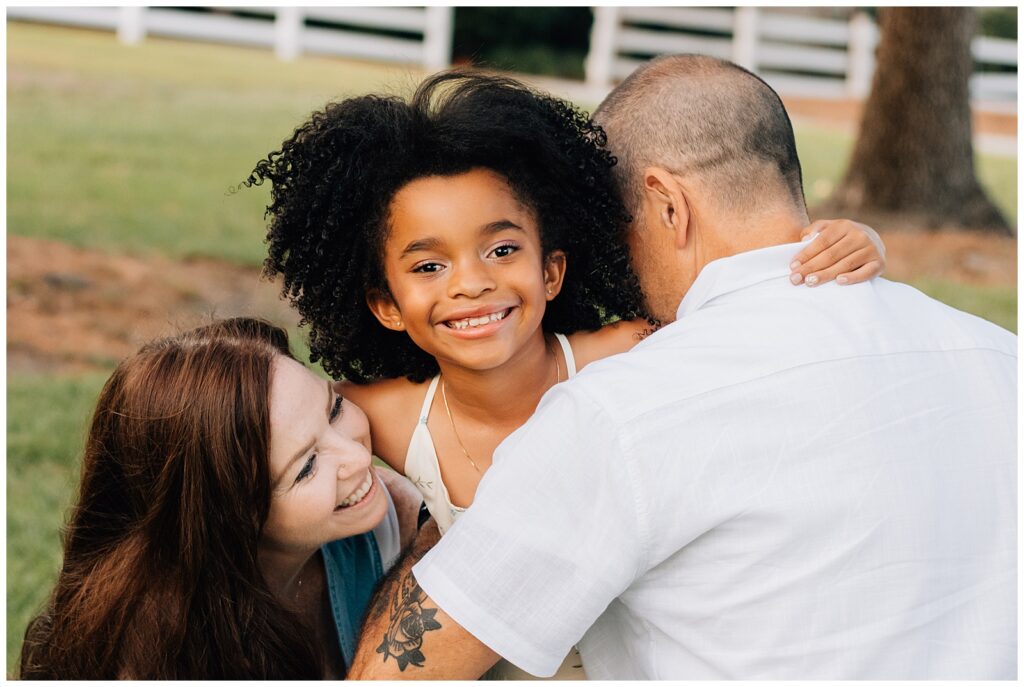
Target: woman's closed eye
307	469
335	409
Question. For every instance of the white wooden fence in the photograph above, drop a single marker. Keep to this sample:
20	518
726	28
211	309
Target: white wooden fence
797	55
290	31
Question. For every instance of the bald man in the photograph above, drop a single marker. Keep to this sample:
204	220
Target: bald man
781	483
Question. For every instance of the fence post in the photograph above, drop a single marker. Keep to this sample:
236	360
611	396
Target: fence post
287	33
744	38
861	52
437	38
131	25
601	57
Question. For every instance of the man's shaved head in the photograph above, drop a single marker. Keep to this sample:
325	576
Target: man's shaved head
693	114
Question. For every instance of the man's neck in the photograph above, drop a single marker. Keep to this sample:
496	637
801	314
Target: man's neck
735	235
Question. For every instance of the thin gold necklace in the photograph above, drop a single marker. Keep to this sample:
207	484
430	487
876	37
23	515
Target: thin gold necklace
455	431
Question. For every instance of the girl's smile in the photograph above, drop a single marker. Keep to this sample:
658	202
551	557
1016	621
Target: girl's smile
480	322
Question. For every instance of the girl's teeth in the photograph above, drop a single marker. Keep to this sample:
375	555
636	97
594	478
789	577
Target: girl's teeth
358	495
477	321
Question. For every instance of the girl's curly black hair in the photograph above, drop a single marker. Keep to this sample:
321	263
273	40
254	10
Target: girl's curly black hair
333	181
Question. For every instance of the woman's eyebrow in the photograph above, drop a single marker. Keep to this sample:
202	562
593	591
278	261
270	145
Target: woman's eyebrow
330	398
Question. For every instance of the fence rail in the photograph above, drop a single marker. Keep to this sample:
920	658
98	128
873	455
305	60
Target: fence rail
425	33
797	55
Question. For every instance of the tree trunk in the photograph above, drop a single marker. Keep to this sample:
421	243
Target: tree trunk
914	154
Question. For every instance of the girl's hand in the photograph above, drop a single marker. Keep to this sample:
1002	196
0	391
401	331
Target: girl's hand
849	252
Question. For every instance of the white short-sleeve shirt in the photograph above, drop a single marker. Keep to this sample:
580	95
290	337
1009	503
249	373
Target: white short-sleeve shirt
784	483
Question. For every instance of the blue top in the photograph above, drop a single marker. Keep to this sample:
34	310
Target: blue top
353	566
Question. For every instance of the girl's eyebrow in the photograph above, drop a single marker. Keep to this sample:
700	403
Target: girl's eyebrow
500	225
431	243
417	245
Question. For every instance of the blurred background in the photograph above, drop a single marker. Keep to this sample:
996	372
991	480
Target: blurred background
130	129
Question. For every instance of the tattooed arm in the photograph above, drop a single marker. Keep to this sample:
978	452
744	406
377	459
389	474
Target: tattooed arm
407	637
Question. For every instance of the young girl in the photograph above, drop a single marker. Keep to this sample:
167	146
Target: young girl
455	256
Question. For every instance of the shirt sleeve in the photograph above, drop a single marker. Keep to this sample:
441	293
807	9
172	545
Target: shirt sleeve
554	535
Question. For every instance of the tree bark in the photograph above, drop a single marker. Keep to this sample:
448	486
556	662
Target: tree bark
914	154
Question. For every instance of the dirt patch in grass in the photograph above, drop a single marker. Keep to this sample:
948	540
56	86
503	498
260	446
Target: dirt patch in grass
970	258
72	309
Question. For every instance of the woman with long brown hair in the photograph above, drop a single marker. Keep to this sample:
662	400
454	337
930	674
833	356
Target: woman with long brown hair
228	522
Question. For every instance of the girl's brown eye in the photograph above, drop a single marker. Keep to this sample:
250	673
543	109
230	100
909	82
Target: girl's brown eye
505	250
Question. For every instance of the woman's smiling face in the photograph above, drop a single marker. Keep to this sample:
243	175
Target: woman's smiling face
322	485
464	264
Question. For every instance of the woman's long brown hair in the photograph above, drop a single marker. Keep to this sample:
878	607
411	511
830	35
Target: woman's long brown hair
161	577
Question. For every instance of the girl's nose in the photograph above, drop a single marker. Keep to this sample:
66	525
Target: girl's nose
470	278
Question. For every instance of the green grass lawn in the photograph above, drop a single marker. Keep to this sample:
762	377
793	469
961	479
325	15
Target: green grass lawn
135	149
46	422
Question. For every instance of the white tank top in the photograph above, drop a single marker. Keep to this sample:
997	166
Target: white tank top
421	466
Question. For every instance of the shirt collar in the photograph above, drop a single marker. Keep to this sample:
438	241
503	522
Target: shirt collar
736	272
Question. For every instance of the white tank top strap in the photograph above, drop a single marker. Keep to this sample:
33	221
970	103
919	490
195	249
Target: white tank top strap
423	470
428	399
570	361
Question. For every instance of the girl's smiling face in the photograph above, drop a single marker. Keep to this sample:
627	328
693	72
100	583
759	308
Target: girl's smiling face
468	279
322	485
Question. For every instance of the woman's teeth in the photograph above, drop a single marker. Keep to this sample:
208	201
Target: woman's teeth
357	496
477	321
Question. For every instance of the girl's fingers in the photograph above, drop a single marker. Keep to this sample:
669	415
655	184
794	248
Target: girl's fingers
841	248
861	274
828	254
875	239
847	265
827	235
814	228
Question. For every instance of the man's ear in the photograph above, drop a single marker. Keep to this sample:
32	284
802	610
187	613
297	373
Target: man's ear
666	203
384	308
554	273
